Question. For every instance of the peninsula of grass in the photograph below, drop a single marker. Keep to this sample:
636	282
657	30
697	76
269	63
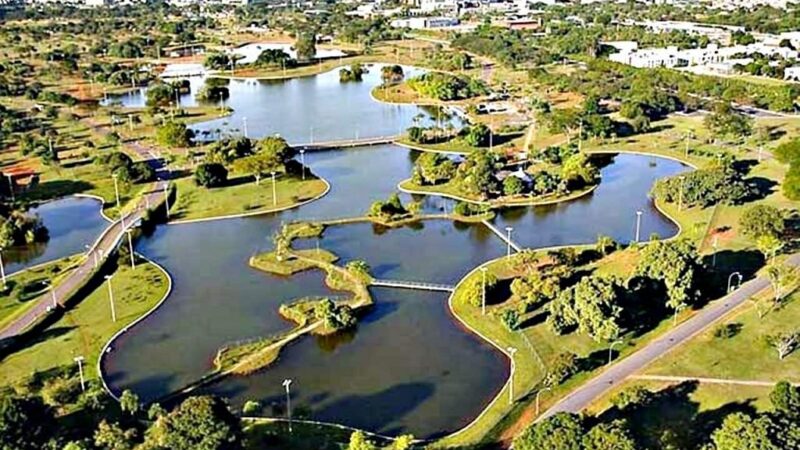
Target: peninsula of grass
85	328
243	196
24	287
459	145
287	265
451	190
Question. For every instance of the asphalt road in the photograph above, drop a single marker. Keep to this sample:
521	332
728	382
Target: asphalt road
103	247
582	397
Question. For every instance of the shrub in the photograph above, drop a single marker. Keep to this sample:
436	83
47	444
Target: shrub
210	175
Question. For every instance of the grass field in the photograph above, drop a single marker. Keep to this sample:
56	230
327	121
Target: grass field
86	327
17	299
242	196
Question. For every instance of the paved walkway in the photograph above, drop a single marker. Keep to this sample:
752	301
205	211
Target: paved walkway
582	397
102	248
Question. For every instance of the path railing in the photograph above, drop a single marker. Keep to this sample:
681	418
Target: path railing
346	143
502	236
418	285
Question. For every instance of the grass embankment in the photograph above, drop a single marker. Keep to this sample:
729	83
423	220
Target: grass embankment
86	327
451	190
290	265
242	196
266	433
23	287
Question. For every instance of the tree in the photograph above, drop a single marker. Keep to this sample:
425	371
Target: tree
210	175
605	245
562	431
359	441
784	342
673	263
199	423
257	165
276	149
727	121
762	220
26	423
785	398
174	134
780	277
578	171
228	150
769	245
592	305
403	442
160	95
473	294
740	431
113	437
434	168
476	174
609	436
513	186
305	46
478	135
129	402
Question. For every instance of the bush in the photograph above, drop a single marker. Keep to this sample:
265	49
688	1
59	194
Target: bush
174	134
210	175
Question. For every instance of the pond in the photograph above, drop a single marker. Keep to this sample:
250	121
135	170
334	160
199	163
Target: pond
72	222
408	367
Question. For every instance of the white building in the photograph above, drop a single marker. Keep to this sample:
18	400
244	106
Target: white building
792	73
430	6
713	54
421	23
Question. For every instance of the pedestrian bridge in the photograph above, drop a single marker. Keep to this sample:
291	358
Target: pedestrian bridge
346	143
418	285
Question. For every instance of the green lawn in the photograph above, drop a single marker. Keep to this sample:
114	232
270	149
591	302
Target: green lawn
85	328
242	196
25	286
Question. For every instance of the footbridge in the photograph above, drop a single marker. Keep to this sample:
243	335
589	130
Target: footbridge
418	285
347	143
502	236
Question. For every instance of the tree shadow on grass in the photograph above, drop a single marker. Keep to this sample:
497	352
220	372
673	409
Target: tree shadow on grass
16	345
671	419
714	282
57	188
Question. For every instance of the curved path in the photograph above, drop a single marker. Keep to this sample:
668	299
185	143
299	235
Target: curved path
582	397
99	251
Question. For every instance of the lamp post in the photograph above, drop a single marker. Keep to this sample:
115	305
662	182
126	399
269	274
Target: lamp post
79	360
483	297
638	224
2	269
508	240
11	186
537	399
116	194
730	278
111	299
166	199
511	352
287	384
678	309
274	191
303	162
244	126
714	244
611	348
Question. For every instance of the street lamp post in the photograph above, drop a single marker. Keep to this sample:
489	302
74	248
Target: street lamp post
730	279
511	352
166	198
714	255
303	162
111	299
244	122
483	298
537	399
287	384
611	348
508	240
638	225
274	191
79	360
11	187
2	269
678	309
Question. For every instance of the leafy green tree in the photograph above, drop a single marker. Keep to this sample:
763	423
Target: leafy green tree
673	263
592	305
129	402
562	431
609	436
478	135
762	220
277	149
728	122
274	57
160	95
785	398
257	165
560	368
740	431
199	423
513	186
476	174
605	244
228	150
473	294
578	171
26	423
217	61
210	175
174	134
113	437
305	46
434	168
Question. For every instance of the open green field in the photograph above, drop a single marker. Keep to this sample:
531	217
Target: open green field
242	196
87	326
25	286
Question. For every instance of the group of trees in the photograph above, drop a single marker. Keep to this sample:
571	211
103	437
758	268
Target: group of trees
789	153
18	228
389	210
775	429
592	305
198	423
445	86
271	154
336	317
354	73
122	166
720	183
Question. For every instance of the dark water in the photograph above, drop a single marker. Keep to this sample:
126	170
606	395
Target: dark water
408	367
302	110
72	222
